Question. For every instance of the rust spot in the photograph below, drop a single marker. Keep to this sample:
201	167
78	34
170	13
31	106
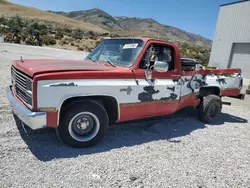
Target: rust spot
63	84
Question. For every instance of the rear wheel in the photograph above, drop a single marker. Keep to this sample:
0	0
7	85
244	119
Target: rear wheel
83	125
210	108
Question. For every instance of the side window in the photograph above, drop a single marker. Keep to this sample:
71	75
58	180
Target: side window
158	53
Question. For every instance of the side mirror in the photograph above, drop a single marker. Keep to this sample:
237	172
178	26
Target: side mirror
161	66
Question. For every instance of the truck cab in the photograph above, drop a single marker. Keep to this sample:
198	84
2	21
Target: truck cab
122	79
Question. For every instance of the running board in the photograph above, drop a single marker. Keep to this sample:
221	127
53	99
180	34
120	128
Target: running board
227	103
240	96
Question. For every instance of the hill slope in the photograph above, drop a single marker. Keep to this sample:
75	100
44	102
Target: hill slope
138	26
95	16
154	28
11	9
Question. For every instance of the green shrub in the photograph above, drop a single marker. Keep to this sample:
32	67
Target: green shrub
48	40
63	42
93	37
72	44
80	48
105	34
15	23
43	32
114	35
33	25
91	33
66	30
59	35
2	30
70	40
3	20
77	34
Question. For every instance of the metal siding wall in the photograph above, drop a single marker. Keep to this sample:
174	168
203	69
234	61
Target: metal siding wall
233	26
241	58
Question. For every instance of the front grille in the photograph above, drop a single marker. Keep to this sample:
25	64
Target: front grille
22	86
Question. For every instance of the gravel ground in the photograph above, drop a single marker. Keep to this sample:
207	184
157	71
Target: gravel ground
175	151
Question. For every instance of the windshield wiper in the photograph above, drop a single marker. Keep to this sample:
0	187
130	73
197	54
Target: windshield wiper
110	62
88	57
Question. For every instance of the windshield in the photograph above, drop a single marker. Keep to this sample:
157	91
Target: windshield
120	52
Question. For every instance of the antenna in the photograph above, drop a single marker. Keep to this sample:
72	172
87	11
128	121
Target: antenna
21	57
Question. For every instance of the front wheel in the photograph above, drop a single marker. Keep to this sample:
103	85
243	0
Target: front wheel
83	125
210	108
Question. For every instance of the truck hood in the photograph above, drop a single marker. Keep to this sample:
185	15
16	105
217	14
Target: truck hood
32	67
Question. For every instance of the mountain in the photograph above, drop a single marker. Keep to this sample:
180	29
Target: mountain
94	16
137	26
154	28
11	9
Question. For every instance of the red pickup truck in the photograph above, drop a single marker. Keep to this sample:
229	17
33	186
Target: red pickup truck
122	79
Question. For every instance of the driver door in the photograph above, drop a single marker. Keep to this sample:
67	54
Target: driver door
158	92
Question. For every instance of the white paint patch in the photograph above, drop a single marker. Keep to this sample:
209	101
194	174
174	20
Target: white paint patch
224	82
119	89
128	90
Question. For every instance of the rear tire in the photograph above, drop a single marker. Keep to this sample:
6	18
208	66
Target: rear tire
83	124
210	108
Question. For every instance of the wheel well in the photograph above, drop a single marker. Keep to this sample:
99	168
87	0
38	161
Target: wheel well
109	103
204	91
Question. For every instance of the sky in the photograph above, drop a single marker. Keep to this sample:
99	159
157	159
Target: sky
195	16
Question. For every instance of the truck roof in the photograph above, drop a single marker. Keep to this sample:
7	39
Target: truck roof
145	39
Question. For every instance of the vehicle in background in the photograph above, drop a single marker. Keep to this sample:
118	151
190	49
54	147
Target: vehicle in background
33	38
12	37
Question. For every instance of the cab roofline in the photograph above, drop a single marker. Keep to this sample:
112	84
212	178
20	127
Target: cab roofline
141	38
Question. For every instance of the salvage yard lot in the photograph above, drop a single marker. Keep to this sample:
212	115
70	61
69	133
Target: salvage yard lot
174	151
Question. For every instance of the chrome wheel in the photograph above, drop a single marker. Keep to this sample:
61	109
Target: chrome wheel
84	126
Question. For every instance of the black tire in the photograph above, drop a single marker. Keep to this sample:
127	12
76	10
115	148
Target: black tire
210	108
247	91
70	130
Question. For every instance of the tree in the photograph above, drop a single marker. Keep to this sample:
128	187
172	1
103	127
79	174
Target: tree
3	20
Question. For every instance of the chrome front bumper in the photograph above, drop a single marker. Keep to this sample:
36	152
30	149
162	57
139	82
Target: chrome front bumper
35	120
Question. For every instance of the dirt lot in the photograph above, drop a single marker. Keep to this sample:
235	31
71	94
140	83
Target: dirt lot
175	151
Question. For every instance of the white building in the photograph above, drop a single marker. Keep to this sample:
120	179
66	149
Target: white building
231	44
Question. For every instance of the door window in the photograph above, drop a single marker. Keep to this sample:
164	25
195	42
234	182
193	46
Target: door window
158	53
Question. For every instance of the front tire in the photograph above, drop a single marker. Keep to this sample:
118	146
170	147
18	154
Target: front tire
210	108
83	124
